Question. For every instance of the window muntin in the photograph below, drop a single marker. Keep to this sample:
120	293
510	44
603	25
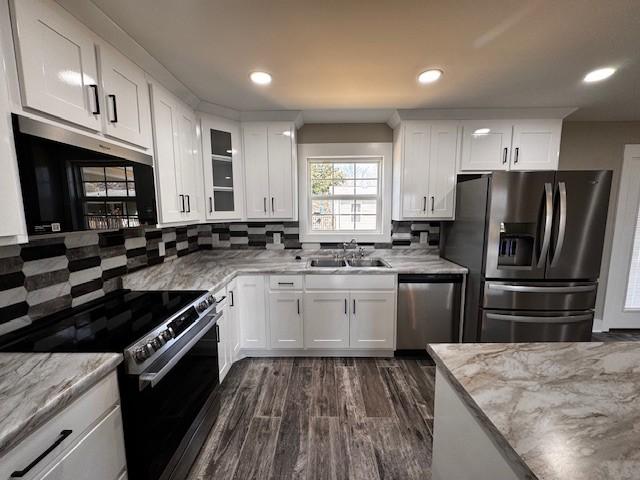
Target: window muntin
344	195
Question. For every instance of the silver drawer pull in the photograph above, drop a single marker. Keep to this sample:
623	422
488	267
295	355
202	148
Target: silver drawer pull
530	289
536	319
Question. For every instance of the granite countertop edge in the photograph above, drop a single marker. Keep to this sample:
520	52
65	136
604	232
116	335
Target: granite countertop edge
53	405
509	454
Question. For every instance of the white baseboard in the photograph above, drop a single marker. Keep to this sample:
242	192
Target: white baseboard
245	353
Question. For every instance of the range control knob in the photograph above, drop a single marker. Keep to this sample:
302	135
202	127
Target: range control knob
141	354
166	335
157	342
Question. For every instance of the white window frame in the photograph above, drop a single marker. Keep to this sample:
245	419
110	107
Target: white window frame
356	152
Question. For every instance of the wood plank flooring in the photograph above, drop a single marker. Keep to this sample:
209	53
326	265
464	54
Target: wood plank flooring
322	418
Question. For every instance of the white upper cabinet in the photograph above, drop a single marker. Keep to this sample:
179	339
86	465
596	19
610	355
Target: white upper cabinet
178	170
127	114
270	170
486	145
510	145
424	170
536	145
57	62
222	156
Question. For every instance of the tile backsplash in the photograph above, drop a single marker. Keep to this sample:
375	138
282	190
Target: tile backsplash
53	273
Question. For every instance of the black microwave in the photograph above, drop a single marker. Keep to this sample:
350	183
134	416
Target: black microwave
72	182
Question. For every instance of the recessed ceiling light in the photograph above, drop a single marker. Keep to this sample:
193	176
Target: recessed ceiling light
260	78
429	76
599	74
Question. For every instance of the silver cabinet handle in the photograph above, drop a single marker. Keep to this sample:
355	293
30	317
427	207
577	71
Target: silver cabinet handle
537	319
532	289
517	154
433	201
547	224
562	223
504	158
264	204
273	207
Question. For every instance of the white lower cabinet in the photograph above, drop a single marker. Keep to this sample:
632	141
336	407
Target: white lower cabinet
285	319
252	311
326	319
224	348
371	325
234	323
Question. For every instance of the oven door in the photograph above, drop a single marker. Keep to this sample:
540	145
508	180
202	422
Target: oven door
170	407
536	326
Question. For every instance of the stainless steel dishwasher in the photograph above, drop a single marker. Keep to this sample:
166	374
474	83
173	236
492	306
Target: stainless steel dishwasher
428	311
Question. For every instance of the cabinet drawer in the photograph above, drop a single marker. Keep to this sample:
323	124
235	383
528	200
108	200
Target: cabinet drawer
285	282
350	282
99	455
77	417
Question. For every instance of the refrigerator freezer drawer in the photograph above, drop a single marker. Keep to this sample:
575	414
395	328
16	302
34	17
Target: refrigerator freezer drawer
539	295
518	326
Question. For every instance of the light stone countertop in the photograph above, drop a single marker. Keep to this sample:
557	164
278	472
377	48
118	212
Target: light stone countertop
557	410
34	387
213	269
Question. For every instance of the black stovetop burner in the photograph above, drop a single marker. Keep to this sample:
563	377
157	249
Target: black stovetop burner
108	324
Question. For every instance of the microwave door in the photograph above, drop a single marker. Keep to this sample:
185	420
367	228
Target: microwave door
580	204
520	214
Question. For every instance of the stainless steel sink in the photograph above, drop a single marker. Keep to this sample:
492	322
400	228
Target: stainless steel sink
368	263
327	262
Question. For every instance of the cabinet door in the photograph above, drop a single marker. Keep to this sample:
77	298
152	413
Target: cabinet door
372	320
326	320
280	171
442	170
98	456
224	362
252	311
234	323
415	169
222	158
536	145
191	168
126	98
486	145
57	63
167	159
256	167
285	319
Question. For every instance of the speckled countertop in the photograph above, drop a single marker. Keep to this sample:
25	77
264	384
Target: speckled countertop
213	269
36	386
557	410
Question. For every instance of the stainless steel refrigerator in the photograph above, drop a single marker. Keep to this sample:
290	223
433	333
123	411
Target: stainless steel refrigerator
532	242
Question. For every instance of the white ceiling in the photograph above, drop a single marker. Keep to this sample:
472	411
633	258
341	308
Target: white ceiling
365	54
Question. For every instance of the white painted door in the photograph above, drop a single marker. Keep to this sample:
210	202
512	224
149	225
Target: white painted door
442	170
326	320
285	319
536	145
280	170
372	320
222	165
233	320
191	168
622	301
57	63
224	353
256	167
252	311
167	157
98	456
415	169
486	145
126	98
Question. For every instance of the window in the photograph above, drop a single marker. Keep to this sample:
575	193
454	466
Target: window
109	197
344	195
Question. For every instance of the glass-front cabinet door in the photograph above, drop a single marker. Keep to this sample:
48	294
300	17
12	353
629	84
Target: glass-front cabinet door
222	168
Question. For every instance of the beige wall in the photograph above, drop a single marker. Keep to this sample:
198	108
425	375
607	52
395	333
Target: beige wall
345	133
599	146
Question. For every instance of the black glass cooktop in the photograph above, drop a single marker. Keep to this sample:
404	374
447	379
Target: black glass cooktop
108	324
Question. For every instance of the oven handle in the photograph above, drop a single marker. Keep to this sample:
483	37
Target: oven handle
152	378
532	289
539	319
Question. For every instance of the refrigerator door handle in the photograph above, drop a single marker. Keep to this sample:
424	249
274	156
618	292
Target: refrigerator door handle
539	319
562	226
548	219
533	289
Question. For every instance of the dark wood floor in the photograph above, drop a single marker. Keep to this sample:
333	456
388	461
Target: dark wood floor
322	418
617	336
